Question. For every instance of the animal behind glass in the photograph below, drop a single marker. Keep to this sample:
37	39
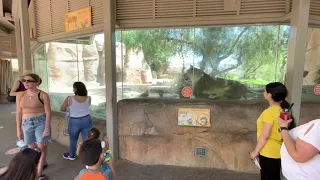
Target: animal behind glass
205	86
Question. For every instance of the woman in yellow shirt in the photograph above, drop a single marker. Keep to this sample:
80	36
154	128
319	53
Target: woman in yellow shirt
269	138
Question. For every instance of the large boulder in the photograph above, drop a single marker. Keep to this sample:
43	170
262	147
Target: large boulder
62	64
149	134
90	62
312	63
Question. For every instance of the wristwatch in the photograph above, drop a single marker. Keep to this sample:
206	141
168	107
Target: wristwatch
283	128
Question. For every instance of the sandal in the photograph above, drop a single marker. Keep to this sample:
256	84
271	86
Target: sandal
43	177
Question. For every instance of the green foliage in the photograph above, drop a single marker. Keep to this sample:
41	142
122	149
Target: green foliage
156	47
253	48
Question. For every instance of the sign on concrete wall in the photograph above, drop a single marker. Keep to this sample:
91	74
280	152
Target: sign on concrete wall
317	89
77	19
186	92
194	117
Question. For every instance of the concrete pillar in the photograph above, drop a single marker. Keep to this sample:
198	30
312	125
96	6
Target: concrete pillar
18	44
25	35
110	75
297	53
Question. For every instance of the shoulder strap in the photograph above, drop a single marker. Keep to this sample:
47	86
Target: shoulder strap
40	97
22	94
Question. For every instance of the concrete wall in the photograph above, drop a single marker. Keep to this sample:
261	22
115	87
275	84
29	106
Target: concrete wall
59	123
149	134
8	47
3	99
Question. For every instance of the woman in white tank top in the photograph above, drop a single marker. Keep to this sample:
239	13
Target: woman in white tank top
300	158
79	119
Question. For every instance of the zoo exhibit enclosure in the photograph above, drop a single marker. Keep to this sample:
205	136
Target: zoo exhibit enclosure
159	63
227	68
227	75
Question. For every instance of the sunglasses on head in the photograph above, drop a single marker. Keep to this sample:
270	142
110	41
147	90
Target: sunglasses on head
28	81
27	147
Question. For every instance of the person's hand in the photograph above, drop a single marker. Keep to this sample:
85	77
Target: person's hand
106	139
46	133
20	134
253	154
284	123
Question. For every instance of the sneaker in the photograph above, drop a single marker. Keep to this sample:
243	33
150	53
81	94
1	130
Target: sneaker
67	156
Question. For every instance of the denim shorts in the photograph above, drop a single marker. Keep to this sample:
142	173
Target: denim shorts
33	129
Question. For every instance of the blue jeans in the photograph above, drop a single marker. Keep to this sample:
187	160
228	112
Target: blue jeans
33	129
75	127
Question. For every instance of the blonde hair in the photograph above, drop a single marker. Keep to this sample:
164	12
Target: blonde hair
25	72
36	77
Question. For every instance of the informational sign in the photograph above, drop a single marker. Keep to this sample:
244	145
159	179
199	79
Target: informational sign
186	92
194	117
317	89
77	19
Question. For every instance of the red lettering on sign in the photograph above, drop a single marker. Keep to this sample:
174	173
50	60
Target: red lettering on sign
186	92
317	89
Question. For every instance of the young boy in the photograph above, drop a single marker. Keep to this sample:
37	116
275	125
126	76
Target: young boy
108	163
91	154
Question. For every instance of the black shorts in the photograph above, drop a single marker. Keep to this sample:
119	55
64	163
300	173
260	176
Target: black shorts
270	168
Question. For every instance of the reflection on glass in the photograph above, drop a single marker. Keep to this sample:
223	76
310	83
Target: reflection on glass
218	63
40	67
232	63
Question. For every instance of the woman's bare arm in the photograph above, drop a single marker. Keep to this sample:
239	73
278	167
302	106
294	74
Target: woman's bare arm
14	89
266	129
299	150
64	105
18	113
47	110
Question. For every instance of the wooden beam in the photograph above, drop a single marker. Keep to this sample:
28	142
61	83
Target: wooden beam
1	8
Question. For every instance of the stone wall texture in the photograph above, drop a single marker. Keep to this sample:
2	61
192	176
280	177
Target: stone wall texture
149	132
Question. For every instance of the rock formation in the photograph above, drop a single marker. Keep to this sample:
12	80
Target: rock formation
312	63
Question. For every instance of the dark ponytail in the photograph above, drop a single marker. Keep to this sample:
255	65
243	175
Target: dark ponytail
284	104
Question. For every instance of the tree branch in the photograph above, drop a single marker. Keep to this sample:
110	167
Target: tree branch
226	70
239	59
253	70
190	43
233	45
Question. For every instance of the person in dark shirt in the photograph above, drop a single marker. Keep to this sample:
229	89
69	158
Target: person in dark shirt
23	166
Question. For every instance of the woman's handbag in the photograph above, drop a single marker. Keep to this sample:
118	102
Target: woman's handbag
10	98
67	113
67	116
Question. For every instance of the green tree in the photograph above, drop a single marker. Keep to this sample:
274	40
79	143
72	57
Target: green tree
254	48
156	48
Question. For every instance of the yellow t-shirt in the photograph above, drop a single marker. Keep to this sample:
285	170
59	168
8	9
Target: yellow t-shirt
272	148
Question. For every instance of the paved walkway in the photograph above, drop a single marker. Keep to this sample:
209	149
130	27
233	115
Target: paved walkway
60	169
